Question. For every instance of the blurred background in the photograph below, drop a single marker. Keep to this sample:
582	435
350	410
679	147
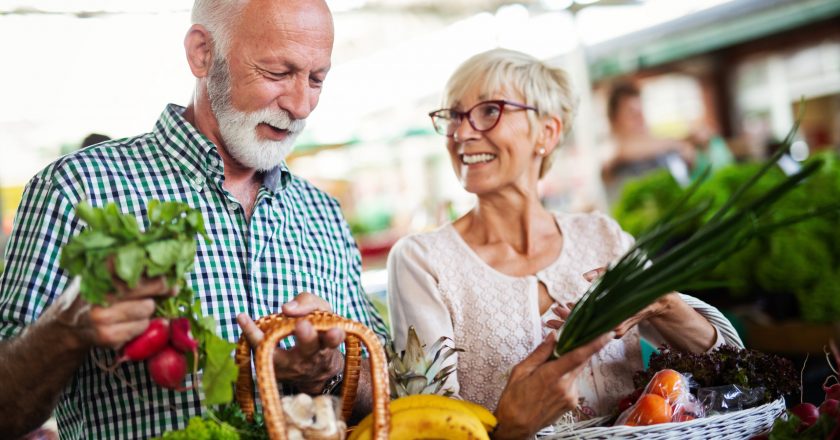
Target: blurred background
701	82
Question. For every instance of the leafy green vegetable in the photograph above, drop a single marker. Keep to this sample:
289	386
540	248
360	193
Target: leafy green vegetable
203	429
232	415
789	429
219	371
727	365
115	238
649	269
799	260
167	247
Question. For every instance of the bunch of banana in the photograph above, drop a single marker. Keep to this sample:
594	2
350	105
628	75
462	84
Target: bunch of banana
429	416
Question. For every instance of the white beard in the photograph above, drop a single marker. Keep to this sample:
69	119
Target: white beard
239	132
239	129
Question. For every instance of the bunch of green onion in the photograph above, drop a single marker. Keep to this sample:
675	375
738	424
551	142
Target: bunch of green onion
650	269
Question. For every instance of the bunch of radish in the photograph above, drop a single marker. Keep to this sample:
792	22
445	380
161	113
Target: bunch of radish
163	345
806	420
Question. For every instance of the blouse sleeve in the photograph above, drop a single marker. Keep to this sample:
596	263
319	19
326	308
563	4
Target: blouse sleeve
414	299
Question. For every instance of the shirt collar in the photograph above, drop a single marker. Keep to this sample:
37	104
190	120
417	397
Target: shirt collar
198	157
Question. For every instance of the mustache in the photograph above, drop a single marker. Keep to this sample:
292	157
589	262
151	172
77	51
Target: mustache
281	119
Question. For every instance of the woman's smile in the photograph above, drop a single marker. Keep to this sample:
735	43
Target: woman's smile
476	158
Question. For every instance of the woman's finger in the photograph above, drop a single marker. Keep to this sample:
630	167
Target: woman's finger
555	324
594	273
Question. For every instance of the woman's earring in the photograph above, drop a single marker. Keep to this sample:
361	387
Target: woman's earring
541	151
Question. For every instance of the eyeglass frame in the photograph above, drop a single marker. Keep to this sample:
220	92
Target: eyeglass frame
467	114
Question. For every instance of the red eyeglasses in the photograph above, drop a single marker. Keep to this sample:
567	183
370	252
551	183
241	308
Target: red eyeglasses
487	116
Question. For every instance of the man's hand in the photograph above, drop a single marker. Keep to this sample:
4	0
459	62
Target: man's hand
127	314
314	359
539	391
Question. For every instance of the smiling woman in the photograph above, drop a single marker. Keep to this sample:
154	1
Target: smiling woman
508	265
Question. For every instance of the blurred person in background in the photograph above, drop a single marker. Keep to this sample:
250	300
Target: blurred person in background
93	139
259	67
500	278
635	151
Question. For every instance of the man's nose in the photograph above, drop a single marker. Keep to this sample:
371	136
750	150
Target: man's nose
298	99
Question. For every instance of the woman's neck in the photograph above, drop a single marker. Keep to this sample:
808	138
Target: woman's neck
516	220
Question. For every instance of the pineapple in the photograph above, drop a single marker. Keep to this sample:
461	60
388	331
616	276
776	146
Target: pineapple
415	371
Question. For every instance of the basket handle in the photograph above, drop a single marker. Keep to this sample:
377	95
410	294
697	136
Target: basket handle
277	327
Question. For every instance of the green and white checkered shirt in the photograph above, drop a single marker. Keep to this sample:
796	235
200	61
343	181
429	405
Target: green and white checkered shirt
296	241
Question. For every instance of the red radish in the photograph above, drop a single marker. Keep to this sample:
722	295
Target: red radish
807	413
148	343
182	339
168	368
832	392
830	407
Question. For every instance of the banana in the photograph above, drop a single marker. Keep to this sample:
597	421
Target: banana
484	415
436	423
467	414
363	430
431	400
441	415
426	400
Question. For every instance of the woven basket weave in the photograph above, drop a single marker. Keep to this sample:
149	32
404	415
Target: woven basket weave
735	425
276	327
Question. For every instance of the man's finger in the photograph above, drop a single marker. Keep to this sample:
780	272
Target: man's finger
304	304
123	311
146	287
307	342
252	333
116	335
331	338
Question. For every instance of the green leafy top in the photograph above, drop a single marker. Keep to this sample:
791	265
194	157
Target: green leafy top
649	270
166	248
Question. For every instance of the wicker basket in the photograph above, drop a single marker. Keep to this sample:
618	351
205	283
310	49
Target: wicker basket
735	425
277	327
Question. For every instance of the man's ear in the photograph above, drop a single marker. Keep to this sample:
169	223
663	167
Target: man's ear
198	46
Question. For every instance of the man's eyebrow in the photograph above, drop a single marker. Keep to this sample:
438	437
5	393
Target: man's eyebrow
270	65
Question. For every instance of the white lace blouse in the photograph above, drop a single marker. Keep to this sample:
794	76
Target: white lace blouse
438	284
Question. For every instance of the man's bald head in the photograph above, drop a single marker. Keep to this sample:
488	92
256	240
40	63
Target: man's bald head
221	16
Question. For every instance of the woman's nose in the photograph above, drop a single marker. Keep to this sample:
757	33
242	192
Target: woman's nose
463	130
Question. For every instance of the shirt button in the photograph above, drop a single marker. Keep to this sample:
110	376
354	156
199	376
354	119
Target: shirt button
232	207
198	181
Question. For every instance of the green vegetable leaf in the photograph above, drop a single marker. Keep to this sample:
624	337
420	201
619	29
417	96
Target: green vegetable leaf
220	371
129	263
164	253
650	269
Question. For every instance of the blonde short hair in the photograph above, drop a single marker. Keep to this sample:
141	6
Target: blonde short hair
501	70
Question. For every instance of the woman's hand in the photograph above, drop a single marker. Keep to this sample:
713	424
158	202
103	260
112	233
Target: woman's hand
660	307
539	391
679	325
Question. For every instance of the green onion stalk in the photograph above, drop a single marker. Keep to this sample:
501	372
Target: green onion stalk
652	268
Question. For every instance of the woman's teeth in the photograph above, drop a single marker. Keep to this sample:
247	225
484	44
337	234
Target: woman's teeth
470	159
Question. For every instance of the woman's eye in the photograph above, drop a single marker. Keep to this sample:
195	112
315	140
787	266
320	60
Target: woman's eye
489	110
